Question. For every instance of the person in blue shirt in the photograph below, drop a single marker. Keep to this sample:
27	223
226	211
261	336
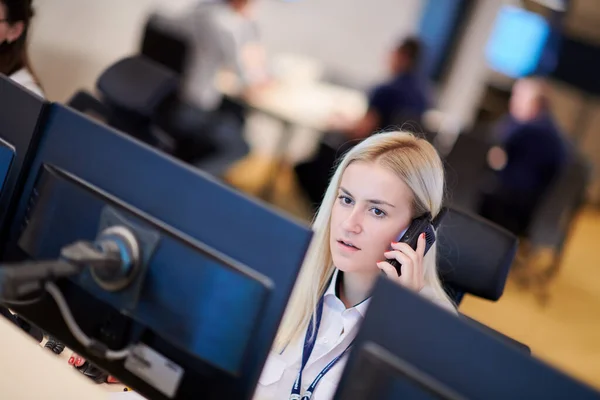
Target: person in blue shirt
401	97
531	153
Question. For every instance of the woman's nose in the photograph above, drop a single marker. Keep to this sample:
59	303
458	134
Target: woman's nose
353	221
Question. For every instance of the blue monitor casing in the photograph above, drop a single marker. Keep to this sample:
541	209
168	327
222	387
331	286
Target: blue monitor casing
443	356
517	42
21	112
212	241
7	155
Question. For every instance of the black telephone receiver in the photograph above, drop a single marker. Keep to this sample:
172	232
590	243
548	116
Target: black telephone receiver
422	224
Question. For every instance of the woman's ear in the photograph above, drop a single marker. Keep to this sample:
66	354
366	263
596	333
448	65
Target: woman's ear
15	31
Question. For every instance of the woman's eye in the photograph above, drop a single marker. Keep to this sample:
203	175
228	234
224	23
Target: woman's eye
345	200
378	212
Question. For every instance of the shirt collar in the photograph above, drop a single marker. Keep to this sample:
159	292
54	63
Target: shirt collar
330	294
331	288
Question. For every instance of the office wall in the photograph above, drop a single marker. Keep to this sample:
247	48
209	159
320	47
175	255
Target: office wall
468	73
74	40
583	20
352	38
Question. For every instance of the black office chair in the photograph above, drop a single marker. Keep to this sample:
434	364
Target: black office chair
163	45
553	218
141	98
467	172
133	89
474	255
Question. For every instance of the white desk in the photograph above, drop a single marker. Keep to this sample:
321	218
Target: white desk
28	371
303	102
309	104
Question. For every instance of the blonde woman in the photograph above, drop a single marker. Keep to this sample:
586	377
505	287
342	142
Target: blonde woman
379	187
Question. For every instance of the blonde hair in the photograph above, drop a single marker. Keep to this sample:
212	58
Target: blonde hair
418	164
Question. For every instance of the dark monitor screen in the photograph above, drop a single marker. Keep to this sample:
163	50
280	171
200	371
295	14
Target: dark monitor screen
20	114
187	287
381	375
7	155
192	309
451	353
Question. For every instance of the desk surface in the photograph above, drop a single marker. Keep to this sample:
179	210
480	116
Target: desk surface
306	103
28	371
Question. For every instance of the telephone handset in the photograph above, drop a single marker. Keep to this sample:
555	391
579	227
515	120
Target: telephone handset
422	224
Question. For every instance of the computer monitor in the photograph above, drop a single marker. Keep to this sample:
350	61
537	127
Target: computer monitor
517	42
20	115
431	353
219	272
384	376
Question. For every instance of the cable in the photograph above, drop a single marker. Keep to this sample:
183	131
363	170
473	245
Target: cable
20	302
85	340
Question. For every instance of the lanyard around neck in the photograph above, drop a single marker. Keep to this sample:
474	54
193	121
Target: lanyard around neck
309	345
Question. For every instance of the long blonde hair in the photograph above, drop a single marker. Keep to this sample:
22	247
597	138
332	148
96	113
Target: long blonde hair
418	164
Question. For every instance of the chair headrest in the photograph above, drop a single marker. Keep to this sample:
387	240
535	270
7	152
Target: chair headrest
165	43
466	169
137	84
474	255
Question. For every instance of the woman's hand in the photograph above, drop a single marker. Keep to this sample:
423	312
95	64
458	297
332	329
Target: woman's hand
413	274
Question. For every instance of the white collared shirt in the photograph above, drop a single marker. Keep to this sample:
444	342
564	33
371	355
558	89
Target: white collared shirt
339	327
24	78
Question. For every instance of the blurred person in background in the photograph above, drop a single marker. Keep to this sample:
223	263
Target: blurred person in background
403	96
530	153
15	21
224	36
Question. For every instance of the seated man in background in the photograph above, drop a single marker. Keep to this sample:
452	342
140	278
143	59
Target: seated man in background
402	97
530	155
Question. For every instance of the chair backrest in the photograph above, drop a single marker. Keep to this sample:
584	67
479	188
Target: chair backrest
474	255
132	90
164	45
466	170
557	209
86	103
137	84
